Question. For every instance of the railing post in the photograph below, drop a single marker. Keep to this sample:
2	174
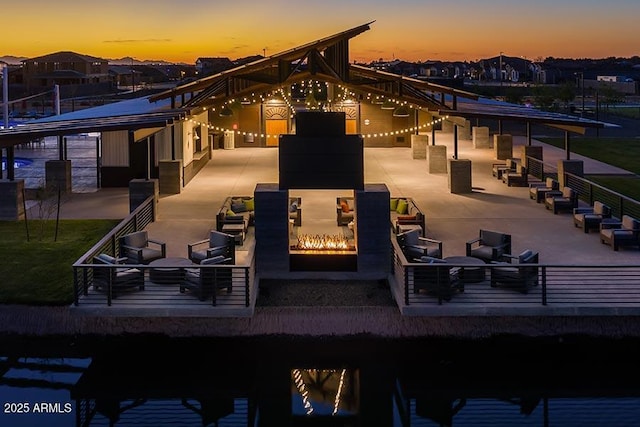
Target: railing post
215	284
544	285
76	300
247	289
406	285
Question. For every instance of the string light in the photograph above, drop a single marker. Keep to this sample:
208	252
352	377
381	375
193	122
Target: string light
336	404
369	135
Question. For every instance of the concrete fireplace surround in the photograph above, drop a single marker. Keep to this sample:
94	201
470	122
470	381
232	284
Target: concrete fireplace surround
322	156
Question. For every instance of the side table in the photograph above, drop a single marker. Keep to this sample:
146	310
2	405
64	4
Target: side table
468	274
168	270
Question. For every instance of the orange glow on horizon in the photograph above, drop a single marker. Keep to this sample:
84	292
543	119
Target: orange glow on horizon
408	30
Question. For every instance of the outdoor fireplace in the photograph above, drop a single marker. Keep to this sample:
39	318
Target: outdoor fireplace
323	242
323	252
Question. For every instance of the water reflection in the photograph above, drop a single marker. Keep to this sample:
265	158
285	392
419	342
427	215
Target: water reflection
150	382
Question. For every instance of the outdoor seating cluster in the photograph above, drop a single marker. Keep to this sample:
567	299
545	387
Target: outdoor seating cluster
490	251
615	232
137	250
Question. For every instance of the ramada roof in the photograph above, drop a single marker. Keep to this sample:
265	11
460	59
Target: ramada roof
326	59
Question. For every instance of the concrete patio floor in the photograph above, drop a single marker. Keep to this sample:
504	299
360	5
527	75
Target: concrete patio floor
452	218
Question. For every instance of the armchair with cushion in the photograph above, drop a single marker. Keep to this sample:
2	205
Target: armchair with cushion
538	190
344	210
295	210
138	248
438	278
114	280
519	178
203	281
415	246
217	244
624	233
516	273
489	245
588	218
498	169
557	201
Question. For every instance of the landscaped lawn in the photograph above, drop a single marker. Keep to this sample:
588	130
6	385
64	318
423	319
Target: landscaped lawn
39	271
621	152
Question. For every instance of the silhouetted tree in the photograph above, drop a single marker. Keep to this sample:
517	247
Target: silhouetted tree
543	96
567	93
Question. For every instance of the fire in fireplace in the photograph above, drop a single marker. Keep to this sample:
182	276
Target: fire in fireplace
322	242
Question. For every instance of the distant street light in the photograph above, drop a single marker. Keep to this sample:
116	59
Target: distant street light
581	74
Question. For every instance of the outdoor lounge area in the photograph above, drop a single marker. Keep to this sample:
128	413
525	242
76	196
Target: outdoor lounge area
451	219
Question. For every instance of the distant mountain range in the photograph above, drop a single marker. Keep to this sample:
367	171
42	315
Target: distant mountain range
17	60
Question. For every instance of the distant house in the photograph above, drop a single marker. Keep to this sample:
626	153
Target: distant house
208	66
64	69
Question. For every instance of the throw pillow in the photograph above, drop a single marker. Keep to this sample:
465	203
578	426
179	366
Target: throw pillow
345	206
406	218
230	212
294	206
249	204
238	207
402	207
394	204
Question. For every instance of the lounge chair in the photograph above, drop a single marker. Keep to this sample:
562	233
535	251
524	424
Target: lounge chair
623	233
136	247
566	200
518	178
202	281
415	246
515	273
115	280
538	190
489	245
438	278
218	243
498	169
588	218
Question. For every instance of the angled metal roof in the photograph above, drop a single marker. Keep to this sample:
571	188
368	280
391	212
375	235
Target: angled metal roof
327	60
132	114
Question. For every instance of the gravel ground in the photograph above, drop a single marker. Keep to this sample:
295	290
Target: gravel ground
336	293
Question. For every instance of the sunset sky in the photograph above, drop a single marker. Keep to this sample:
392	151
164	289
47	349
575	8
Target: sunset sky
414	30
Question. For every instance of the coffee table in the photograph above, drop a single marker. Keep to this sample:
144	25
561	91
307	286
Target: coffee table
468	274
168	270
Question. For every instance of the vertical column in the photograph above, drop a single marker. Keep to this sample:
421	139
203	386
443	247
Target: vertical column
271	228
170	176
11	200
503	146
575	167
419	146
460	176
373	231
140	190
480	137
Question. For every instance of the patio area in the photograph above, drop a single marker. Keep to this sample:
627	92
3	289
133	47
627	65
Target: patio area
452	218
